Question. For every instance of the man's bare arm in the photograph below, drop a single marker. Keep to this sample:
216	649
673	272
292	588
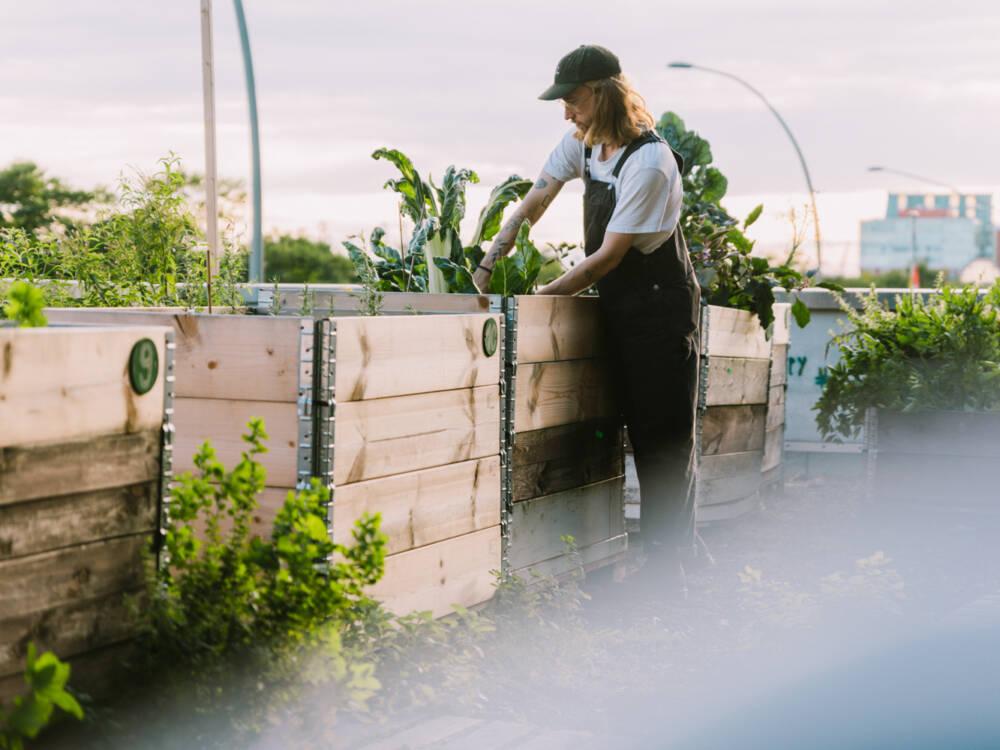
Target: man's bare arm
593	268
531	208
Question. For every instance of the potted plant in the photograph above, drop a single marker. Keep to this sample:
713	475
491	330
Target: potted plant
924	383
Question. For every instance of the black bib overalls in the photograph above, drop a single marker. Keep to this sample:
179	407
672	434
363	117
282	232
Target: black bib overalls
651	309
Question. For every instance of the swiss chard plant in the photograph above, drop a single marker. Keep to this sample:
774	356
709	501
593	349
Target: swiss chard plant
938	353
436	259
729	274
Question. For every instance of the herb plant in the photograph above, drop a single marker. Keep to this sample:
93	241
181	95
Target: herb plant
46	678
233	611
24	305
939	353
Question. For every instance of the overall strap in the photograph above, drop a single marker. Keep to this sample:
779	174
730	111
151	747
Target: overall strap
648	136
586	163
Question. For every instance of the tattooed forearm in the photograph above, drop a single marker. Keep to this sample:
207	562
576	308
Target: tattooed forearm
541	184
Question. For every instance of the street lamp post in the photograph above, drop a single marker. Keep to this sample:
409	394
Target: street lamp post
788	132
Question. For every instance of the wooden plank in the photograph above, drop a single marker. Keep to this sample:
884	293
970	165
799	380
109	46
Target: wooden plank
554	393
736	381
87	571
65	383
423	507
729	464
78	465
726	489
388	436
782	331
224	422
773	447
244	357
775	407
394	356
456	571
67	630
950	433
736	333
727	511
345	300
52	523
552	328
732	429
558	458
779	364
591	557
589	514
269	502
943	479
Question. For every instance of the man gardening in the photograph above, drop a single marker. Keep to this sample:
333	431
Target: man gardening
649	296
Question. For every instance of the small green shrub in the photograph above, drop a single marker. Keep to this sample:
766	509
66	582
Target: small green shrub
253	621
46	678
938	353
24	305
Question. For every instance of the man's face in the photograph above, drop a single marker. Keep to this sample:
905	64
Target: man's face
579	107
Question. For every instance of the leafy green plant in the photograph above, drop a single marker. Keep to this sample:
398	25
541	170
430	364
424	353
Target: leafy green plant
938	353
46	678
24	305
517	273
729	274
435	260
233	611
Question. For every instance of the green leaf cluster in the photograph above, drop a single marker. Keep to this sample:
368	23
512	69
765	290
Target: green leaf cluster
435	259
232	610
46	678
938	353
24	305
722	255
143	248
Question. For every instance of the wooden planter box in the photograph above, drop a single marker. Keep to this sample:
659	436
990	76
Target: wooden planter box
404	418
565	439
564	436
82	471
741	419
946	460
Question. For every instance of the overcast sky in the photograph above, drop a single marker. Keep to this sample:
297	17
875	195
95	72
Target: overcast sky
87	89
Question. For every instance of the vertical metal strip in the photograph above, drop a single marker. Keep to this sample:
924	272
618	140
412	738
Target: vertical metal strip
507	427
166	453
702	407
306	406
324	407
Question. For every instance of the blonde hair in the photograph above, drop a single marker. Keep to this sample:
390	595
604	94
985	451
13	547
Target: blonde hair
620	113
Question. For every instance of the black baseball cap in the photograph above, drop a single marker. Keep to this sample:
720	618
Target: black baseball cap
588	62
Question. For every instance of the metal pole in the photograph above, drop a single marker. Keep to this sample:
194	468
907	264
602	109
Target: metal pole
788	132
256	247
211	176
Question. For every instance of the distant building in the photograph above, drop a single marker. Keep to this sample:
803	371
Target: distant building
947	232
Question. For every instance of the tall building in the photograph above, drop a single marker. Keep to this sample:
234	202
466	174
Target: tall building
946	231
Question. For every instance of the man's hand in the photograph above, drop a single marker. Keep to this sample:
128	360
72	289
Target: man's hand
481	279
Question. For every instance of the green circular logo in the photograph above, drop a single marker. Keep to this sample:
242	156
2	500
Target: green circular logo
143	366
491	337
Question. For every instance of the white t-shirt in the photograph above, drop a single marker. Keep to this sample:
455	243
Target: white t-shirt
648	189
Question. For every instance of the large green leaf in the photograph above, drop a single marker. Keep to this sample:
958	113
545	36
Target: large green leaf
491	217
715	185
457	277
414	191
453	196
